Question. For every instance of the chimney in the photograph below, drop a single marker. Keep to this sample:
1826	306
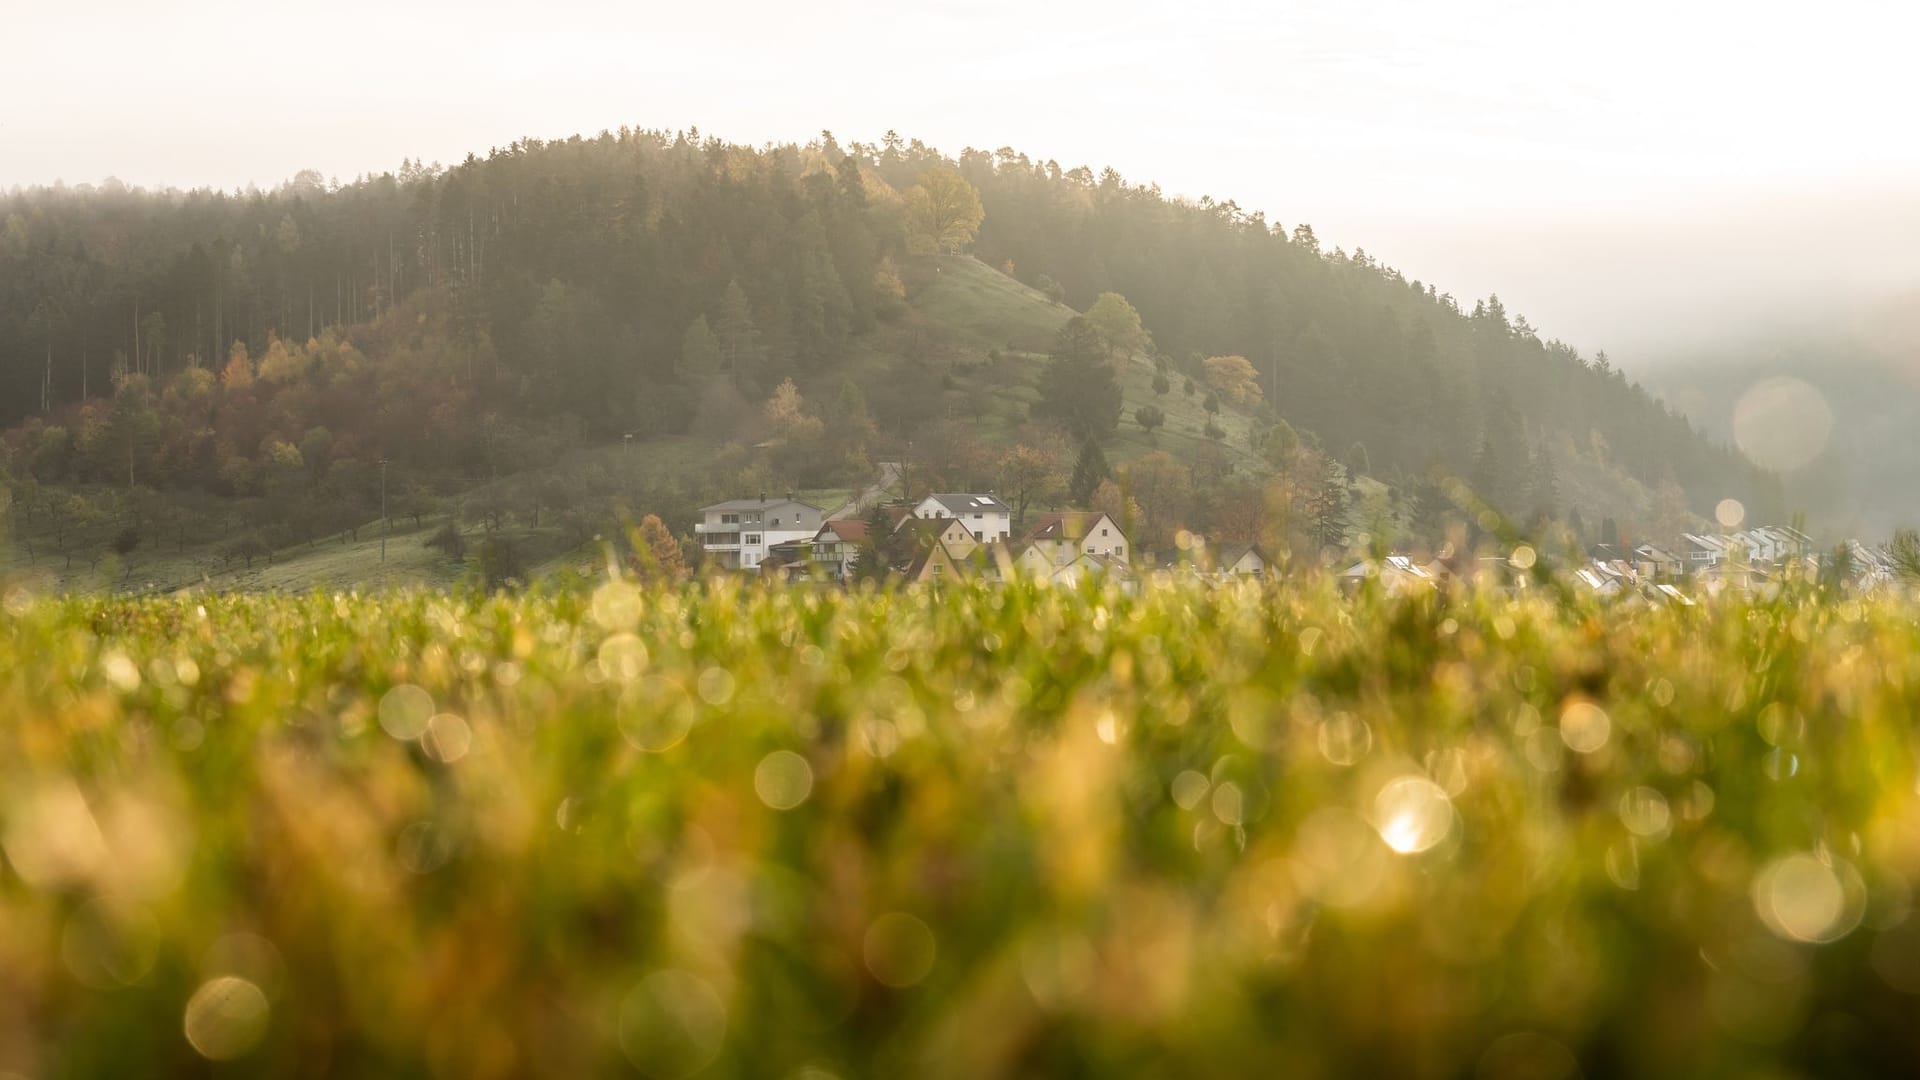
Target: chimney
763	496
789	496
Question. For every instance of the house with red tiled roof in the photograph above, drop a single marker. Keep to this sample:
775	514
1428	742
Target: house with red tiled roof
837	546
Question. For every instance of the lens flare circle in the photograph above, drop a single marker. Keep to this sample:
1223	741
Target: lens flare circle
1782	423
1412	814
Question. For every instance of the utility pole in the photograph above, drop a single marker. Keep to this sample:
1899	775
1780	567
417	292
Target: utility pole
628	440
386	523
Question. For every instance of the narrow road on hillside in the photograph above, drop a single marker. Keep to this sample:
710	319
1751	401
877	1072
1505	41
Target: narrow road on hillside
864	499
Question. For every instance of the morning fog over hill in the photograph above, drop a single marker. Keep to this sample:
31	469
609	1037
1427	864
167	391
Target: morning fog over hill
959	539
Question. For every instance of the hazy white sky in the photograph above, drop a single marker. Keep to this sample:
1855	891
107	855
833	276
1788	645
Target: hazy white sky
1466	142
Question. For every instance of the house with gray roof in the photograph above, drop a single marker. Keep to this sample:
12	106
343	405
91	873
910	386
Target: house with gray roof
988	518
739	533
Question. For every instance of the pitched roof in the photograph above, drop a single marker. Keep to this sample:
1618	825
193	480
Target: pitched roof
1231	555
757	504
1065	525
931	528
958	504
852	530
1397	563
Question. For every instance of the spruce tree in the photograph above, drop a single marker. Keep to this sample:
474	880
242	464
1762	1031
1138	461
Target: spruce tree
1088	472
700	354
739	339
1543	490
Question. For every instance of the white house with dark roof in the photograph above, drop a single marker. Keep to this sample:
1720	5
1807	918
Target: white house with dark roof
1066	535
988	518
738	533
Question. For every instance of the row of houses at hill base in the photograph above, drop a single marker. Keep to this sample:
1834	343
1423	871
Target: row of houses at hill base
944	535
953	535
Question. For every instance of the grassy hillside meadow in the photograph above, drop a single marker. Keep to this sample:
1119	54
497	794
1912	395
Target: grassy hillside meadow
734	831
978	309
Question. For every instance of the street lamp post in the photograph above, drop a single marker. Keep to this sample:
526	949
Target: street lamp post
628	440
386	523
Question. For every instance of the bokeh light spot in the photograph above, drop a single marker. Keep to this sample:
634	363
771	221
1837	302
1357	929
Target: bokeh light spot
107	946
405	712
1644	811
1782	423
1229	805
1345	738
1803	897
448	738
899	949
1189	788
783	780
1729	513
672	1025
1584	727
616	606
716	686
1412	814
623	657
654	714
226	1017
1527	1055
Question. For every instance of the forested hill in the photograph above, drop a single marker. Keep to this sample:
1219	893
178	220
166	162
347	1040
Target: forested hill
666	284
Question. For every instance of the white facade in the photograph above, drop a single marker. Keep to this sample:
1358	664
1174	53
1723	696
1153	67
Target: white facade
985	516
740	532
1065	536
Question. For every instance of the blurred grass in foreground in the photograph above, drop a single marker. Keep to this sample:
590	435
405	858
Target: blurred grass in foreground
959	833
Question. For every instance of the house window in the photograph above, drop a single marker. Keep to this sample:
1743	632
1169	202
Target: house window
729	519
751	538
1119	549
1103	532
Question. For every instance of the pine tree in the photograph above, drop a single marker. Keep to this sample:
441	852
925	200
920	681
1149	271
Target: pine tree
1357	462
739	339
1497	468
1088	472
1428	511
700	354
1328	501
1543	489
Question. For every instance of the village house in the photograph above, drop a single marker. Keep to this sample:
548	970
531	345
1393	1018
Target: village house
917	534
1651	560
1064	536
790	560
1098	567
1605	578
1398	575
931	564
1703	550
988	518
739	533
836	547
1243	560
